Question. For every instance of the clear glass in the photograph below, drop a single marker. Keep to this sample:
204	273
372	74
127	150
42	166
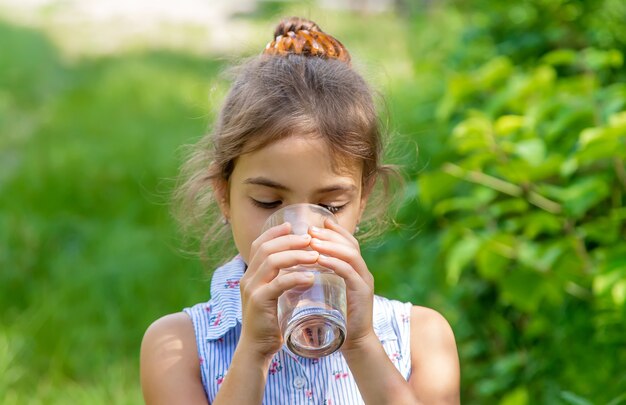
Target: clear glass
312	320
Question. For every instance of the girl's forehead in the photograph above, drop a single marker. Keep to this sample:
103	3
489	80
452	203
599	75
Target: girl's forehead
301	151
303	156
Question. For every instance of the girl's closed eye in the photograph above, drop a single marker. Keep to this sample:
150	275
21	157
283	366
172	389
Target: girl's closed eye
333	208
266	204
276	203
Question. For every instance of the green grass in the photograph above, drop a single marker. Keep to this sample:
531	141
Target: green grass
88	252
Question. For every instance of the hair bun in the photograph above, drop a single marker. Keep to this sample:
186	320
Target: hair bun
295	24
300	36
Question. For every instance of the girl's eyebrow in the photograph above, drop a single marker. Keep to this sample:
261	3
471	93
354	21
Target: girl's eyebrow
264	181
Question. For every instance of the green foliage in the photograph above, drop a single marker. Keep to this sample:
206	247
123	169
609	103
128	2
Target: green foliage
528	202
540	156
520	195
524	30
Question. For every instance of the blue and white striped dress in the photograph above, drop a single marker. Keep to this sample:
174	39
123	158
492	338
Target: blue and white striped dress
291	379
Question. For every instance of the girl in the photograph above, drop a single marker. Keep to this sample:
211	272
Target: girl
298	126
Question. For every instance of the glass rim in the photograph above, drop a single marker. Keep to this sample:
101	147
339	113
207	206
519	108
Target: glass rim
313	207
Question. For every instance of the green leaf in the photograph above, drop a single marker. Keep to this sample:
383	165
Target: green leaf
599	59
610	281
618	293
434	186
507	124
494	256
543	77
459	87
581	195
478	199
618	400
532	151
459	256
605	283
603	230
540	222
508	207
539	256
523	289
508	364
618	120
455	204
472	134
494	72
561	57
516	171
589	135
519	396
569	167
573	399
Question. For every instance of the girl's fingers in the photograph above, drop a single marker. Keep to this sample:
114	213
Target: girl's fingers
278	230
261	251
284	282
354	280
268	270
330	235
342	231
345	253
273	232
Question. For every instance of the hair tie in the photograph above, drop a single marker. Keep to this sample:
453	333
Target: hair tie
308	43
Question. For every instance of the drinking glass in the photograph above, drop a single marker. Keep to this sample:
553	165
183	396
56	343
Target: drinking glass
312	320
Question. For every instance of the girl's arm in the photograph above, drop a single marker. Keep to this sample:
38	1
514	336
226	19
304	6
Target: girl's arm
170	370
435	371
245	381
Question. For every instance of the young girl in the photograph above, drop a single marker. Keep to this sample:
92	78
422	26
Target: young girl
298	126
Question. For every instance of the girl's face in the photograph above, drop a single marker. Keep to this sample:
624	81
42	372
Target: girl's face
290	171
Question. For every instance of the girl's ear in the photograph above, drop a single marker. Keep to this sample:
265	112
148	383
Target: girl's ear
220	190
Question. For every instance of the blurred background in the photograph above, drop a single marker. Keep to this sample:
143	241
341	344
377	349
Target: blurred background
512	222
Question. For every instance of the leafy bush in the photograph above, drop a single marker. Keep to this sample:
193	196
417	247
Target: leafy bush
531	215
524	30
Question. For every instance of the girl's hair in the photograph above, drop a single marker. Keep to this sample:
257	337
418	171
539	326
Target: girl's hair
301	85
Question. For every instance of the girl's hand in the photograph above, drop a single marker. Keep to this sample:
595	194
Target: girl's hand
340	251
261	285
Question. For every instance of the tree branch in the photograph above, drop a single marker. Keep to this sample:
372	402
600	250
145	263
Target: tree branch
502	186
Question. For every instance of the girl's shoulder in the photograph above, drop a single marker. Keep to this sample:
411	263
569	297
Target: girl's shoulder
434	356
177	324
431	333
430	325
425	325
169	361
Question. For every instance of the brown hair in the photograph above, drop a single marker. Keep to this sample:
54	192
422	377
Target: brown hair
302	84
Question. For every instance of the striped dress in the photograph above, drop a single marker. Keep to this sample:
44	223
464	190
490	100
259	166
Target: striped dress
291	379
